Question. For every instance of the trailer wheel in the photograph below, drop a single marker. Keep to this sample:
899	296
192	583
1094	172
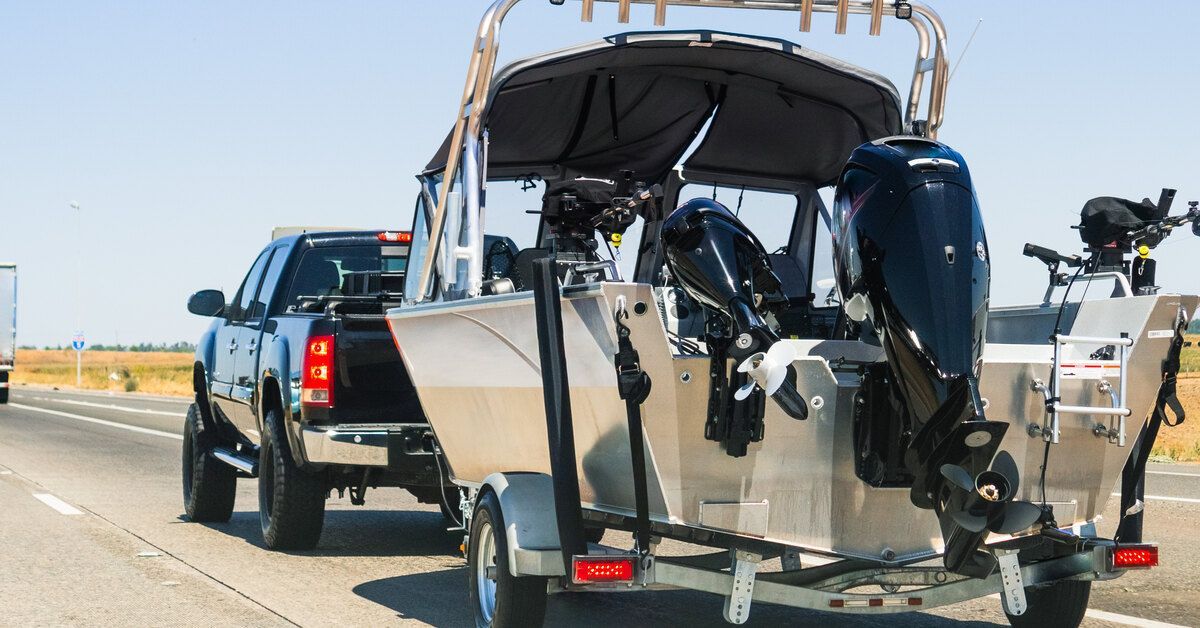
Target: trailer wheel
209	485
4	389
1059	605
500	599
291	502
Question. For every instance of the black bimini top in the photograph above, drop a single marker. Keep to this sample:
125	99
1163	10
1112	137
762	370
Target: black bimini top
637	102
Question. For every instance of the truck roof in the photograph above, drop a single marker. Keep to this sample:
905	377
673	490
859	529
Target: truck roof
343	236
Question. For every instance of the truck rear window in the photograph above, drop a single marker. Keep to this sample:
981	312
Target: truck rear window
348	270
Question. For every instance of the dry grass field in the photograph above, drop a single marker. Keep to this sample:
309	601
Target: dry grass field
170	374
148	372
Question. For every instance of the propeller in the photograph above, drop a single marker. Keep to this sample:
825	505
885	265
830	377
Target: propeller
986	501
766	370
772	371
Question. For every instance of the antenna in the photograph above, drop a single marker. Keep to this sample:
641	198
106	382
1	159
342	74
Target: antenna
965	49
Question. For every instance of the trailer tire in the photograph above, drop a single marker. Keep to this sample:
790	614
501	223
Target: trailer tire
209	485
291	502
1059	605
504	601
4	389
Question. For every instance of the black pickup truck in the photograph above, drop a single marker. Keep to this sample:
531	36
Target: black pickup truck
298	383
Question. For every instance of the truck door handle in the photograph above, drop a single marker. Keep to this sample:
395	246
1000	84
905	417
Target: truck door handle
252	346
232	345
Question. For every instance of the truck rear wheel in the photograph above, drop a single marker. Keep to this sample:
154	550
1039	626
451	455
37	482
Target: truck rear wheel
500	600
1058	605
291	502
209	485
4	390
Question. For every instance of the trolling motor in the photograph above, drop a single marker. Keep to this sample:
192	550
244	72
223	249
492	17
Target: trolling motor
1113	228
912	267
719	263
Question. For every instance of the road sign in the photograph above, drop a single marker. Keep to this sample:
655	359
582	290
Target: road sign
78	342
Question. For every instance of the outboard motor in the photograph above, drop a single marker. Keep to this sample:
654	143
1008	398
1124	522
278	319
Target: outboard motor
719	263
912	268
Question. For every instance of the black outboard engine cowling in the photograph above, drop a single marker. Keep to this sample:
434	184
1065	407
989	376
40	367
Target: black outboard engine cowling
911	260
721	264
912	265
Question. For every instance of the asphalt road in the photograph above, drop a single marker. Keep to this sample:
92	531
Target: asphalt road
93	534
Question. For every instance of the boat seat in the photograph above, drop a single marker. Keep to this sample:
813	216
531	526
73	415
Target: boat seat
791	278
521	269
498	261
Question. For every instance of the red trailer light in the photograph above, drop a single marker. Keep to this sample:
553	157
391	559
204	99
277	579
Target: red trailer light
591	569
403	237
316	378
1135	557
875	601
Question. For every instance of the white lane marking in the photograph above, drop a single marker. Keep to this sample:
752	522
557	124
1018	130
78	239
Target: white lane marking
1162	498
1185	475
88	419
107	394
1127	620
62	507
106	406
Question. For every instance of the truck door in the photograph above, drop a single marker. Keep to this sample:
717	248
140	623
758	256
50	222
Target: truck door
227	341
251	338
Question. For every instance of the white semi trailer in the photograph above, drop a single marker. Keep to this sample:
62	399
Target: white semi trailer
8	325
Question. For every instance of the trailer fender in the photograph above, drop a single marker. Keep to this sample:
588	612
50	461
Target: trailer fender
527	505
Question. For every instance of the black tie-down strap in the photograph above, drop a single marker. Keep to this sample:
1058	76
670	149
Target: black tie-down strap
633	384
1133	477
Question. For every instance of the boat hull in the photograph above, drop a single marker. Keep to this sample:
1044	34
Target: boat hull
476	369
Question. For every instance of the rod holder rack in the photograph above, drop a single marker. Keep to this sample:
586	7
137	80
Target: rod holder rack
1119	407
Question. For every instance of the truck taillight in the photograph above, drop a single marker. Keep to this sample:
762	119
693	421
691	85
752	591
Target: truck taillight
591	569
316	380
1142	556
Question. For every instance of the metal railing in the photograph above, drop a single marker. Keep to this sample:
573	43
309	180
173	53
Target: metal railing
931	59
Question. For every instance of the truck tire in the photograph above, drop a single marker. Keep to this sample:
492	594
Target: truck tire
1058	605
4	390
291	502
209	485
499	599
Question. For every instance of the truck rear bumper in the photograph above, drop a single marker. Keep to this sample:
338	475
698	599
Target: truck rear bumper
394	445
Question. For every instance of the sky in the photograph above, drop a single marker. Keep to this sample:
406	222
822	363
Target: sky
185	131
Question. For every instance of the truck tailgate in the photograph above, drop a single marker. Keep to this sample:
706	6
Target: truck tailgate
372	385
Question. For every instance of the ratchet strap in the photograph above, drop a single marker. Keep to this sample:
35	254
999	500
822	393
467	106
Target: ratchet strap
1134	475
633	384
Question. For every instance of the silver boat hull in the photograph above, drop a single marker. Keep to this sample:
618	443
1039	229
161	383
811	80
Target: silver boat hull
476	369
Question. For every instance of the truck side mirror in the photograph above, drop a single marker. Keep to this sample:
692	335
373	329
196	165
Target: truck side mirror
207	303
